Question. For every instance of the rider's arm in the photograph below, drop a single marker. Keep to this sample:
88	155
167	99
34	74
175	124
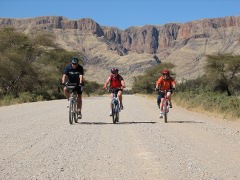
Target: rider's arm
65	75
158	83
123	84
81	73
173	84
80	79
106	83
64	78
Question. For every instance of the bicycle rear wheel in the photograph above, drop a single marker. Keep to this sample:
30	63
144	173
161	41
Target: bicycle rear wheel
165	111
71	112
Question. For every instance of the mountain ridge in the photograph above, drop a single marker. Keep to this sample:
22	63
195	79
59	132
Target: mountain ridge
136	48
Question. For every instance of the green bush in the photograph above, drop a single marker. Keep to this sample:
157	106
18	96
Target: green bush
209	101
26	97
7	100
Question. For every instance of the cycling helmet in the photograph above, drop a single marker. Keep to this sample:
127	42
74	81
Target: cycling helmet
165	72
114	70
74	60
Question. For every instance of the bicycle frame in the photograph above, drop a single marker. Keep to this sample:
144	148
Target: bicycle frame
115	106
72	103
165	105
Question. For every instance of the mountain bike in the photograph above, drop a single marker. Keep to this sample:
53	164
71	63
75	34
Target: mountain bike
115	106
72	109
165	105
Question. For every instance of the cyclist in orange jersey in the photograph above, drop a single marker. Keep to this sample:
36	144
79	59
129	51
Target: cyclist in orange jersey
165	82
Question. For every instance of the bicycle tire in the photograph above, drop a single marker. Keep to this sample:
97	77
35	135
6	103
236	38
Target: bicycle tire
75	113
115	113
165	111
71	112
117	116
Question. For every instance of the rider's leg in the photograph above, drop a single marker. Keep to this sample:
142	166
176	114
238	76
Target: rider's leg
169	99
161	108
169	96
161	105
79	101
111	96
79	104
66	93
120	96
158	101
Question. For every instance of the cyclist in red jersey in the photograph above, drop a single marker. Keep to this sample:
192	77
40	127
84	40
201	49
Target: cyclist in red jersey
116	82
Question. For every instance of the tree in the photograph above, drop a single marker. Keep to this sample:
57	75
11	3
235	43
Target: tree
13	61
223	72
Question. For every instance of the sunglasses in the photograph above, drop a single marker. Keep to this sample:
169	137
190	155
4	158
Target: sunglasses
74	63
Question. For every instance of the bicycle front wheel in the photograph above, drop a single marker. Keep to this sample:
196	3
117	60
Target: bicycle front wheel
71	112
114	113
117	117
165	111
75	112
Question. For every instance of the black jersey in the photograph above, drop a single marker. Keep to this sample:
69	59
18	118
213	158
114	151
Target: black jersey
73	74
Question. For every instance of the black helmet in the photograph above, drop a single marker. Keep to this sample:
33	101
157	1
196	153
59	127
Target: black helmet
74	60
114	70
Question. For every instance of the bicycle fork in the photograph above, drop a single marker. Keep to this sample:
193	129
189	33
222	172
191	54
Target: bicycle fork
72	102
115	105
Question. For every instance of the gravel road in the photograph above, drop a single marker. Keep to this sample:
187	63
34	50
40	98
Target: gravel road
37	142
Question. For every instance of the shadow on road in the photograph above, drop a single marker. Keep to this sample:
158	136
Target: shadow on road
136	122
104	123
184	122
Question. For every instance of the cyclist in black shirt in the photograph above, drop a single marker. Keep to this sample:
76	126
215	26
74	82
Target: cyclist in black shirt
73	73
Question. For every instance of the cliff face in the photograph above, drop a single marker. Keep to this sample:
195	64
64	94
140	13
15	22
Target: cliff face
136	48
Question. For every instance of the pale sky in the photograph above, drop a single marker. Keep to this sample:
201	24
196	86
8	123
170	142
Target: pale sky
122	13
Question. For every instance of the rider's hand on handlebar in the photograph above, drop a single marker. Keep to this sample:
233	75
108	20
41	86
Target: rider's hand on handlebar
156	89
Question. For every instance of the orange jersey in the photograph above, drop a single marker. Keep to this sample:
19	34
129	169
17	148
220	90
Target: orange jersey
165	84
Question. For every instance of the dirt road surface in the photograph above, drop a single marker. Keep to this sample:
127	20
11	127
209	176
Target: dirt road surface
37	142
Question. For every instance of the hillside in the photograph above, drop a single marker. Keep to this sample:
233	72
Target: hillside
136	48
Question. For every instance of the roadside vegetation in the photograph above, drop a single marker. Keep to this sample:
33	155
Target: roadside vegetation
31	67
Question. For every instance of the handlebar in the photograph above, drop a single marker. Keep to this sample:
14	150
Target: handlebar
71	84
163	91
113	89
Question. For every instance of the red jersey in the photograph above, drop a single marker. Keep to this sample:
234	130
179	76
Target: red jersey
165	84
115	81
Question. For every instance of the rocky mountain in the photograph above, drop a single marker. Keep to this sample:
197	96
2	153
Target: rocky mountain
136	48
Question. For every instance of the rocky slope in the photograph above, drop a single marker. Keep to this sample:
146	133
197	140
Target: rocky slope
136	48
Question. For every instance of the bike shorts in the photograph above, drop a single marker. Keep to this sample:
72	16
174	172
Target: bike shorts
78	89
112	90
161	94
